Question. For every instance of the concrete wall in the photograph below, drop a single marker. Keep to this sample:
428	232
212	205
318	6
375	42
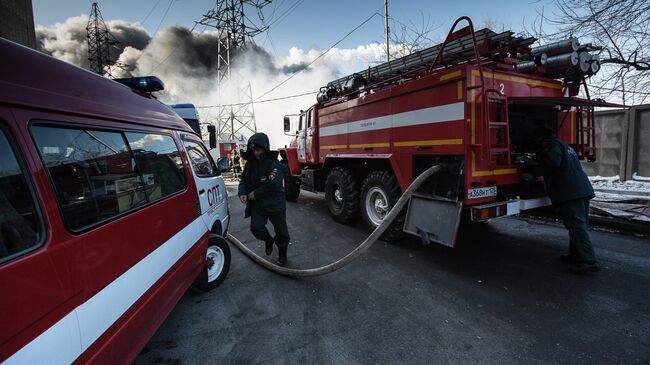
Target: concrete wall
623	143
638	151
17	22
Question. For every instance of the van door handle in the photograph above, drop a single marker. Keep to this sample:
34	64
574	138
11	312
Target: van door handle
201	192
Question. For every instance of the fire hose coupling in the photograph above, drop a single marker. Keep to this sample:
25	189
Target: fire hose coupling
361	248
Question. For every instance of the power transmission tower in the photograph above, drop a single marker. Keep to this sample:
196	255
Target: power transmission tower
235	35
100	41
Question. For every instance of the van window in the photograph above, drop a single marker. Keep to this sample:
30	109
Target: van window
93	172
200	158
20	228
159	162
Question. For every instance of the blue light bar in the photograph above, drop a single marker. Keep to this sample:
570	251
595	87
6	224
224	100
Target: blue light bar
145	84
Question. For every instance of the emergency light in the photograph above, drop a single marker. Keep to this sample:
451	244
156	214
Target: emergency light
145	84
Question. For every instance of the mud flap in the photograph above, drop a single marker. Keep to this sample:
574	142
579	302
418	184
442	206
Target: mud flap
433	219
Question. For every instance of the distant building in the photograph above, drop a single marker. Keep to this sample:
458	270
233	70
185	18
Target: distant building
17	22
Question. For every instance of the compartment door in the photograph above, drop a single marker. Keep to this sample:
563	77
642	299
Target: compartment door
433	219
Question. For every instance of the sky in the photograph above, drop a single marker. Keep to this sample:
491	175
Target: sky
311	24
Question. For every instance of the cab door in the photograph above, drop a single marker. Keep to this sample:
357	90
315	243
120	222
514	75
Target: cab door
302	138
311	152
213	197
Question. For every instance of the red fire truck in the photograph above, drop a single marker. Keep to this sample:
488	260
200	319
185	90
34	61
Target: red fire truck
471	103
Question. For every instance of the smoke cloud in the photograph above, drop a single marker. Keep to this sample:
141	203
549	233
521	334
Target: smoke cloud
187	63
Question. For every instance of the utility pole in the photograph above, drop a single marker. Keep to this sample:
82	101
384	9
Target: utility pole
99	41
387	30
235	32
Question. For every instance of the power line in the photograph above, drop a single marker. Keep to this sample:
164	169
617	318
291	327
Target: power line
163	18
150	12
154	34
319	56
286	13
257	102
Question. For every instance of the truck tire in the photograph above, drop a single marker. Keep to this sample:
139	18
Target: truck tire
342	195
379	193
217	265
291	185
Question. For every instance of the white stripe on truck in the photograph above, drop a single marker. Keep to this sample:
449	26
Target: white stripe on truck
436	114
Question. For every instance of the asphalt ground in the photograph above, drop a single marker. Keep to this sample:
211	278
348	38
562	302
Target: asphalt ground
502	296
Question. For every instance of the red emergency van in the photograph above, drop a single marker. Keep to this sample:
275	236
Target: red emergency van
107	206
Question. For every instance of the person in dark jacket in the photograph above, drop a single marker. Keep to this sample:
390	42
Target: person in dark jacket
234	161
570	191
261	189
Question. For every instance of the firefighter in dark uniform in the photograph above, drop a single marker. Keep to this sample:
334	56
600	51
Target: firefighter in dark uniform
261	189
570	191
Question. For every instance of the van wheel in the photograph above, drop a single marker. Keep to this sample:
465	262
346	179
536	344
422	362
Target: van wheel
379	193
342	195
291	185
217	265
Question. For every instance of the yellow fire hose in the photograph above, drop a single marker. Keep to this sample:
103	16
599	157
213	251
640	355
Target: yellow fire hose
363	246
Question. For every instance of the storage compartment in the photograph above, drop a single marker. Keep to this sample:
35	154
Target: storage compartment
524	120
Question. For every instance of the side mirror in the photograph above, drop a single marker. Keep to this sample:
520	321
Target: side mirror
222	164
287	124
212	134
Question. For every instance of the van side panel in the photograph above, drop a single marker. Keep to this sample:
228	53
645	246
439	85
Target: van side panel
101	255
122	342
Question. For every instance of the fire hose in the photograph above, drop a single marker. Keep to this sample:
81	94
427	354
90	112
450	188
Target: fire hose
361	248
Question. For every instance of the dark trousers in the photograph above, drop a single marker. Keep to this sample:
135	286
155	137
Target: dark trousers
575	215
279	222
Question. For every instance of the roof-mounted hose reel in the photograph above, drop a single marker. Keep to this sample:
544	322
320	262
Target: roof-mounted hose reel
354	84
566	59
326	93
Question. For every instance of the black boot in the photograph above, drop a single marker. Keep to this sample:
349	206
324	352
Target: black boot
268	247
282	256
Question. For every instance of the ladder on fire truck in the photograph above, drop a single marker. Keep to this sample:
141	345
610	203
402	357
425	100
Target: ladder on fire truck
585	143
459	47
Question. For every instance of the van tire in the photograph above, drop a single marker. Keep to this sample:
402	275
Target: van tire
217	253
342	195
291	185
384	186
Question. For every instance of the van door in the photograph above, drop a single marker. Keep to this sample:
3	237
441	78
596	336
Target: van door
212	192
38	319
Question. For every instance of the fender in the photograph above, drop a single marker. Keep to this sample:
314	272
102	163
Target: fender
290	155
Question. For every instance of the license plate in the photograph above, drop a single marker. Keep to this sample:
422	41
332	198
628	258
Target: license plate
481	192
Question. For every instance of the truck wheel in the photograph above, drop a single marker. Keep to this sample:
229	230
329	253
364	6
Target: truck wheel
217	265
379	193
342	195
291	185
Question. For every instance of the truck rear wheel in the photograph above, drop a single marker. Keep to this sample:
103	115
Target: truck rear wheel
379	193
291	185
342	195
